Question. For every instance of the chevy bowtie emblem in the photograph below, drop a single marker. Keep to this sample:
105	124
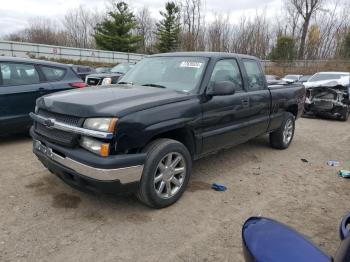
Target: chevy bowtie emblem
49	123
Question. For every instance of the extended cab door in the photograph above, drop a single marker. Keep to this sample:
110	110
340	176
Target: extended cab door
225	118
20	86
259	97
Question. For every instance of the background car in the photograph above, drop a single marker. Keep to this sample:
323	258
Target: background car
109	78
291	78
322	78
303	79
272	79
22	81
83	71
102	70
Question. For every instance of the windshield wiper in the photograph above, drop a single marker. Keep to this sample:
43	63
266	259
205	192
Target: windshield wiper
154	85
125	83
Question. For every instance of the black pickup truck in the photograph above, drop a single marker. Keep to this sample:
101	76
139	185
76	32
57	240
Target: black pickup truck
142	134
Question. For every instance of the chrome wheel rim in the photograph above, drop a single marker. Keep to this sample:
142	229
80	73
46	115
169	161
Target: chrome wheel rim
288	131
170	175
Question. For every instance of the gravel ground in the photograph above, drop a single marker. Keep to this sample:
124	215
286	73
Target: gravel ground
42	219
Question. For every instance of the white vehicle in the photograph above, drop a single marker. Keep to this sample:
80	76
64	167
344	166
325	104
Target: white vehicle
291	78
328	79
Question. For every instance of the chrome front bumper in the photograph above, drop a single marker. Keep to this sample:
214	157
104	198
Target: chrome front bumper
124	175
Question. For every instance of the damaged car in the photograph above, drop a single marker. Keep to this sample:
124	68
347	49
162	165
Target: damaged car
329	100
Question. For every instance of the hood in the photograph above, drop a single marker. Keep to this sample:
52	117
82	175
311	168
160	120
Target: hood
112	100
104	75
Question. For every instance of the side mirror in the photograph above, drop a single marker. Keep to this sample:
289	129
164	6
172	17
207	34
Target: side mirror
221	88
265	239
343	253
343	228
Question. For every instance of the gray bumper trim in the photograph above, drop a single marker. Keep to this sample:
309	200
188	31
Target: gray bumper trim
124	175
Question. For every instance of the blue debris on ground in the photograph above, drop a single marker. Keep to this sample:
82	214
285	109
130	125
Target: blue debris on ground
218	187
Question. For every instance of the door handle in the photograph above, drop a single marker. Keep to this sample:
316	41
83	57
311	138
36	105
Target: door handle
245	101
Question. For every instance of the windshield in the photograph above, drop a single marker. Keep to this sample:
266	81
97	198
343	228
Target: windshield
121	68
176	73
102	70
322	77
304	78
293	77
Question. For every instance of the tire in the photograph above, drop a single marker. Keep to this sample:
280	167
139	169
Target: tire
162	155
282	138
345	114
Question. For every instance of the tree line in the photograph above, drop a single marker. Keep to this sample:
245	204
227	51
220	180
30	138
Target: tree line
304	29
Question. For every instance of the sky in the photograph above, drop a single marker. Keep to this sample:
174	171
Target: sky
14	14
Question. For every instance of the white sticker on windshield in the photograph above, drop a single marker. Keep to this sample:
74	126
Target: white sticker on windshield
191	64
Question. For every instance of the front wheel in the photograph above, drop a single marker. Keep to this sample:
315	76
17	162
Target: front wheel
166	173
345	114
282	138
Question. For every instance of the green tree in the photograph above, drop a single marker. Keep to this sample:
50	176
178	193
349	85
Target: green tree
168	29
313	42
284	49
115	32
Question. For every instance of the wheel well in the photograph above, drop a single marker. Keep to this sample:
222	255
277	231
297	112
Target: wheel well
293	109
182	135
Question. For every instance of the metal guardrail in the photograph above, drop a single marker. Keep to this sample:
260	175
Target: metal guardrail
22	49
306	63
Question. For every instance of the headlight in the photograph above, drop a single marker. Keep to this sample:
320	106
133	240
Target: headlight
101	124
94	146
107	81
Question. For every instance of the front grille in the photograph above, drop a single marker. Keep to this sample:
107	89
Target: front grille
93	81
69	120
58	136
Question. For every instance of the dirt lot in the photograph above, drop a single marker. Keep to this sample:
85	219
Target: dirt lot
42	219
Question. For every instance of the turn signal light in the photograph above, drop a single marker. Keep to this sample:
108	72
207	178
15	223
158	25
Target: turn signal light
104	150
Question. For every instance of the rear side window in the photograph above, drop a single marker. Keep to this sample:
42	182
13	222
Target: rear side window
255	75
227	70
53	73
18	74
83	69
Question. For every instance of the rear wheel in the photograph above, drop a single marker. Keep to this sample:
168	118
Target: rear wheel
166	173
282	138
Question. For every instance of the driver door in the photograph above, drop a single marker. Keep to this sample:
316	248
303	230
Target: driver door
225	118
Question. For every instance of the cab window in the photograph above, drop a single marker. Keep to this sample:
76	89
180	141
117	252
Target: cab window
227	70
255	75
18	74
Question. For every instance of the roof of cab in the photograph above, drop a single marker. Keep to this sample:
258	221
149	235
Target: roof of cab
28	60
205	54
